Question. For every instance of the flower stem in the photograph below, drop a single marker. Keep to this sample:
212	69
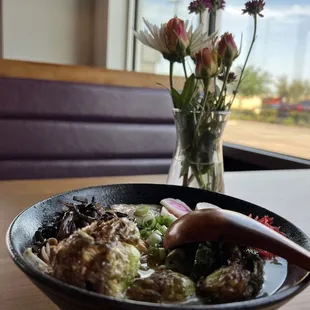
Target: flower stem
246	61
185	175
191	179
218	105
185	179
206	84
198	176
184	68
171	74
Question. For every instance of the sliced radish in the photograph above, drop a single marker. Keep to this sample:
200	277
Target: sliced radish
165	212
205	205
175	206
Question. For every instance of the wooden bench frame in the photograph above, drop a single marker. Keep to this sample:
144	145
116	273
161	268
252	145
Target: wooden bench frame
259	159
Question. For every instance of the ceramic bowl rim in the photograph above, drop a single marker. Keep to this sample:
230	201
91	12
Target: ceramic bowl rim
258	303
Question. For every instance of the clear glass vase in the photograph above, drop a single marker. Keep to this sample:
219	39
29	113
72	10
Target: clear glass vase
198	156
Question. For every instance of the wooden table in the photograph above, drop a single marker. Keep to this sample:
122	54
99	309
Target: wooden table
285	192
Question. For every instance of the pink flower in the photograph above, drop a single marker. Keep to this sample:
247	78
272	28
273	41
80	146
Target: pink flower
174	40
254	7
232	77
206	63
227	49
176	35
199	6
218	4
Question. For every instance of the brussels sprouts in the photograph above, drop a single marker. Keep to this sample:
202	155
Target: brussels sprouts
162	286
101	257
229	284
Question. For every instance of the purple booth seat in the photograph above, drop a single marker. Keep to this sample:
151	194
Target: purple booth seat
59	129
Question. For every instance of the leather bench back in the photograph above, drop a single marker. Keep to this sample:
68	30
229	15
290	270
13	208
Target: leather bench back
55	129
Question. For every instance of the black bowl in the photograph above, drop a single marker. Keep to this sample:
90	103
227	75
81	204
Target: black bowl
22	229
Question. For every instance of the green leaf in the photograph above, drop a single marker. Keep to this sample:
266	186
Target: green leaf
163	86
176	98
189	90
184	168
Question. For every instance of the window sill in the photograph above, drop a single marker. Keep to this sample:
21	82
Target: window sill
241	158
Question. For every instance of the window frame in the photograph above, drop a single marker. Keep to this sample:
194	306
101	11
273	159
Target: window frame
137	46
263	159
251	156
1	30
112	49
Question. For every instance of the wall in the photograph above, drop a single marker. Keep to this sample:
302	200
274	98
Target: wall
111	23
56	31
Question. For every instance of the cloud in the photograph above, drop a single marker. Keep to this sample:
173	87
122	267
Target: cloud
162	12
270	51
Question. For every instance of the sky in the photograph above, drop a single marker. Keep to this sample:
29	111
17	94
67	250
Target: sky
283	40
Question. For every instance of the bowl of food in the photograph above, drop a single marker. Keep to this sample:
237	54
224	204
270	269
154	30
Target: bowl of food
102	248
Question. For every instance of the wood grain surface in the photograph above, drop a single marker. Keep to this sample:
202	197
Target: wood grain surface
284	192
83	74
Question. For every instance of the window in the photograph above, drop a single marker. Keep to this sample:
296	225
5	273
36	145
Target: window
272	110
157	12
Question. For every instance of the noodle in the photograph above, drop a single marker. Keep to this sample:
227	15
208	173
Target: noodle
46	250
116	251
35	261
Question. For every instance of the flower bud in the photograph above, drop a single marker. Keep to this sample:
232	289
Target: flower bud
254	7
176	35
232	77
227	49
206	63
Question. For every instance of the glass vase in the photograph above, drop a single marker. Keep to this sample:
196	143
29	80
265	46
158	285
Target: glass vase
198	157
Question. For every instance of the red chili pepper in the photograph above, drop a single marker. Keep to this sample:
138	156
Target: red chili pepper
267	221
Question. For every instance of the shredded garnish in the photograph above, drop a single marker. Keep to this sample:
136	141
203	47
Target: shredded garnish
267	221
